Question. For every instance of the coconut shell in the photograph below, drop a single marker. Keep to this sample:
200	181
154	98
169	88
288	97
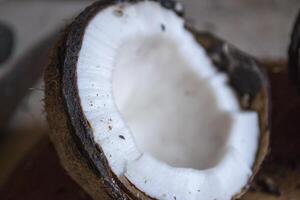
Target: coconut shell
72	135
294	53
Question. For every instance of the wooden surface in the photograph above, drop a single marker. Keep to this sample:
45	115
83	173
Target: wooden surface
40	176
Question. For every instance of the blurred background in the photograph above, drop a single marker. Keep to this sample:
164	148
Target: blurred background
28	29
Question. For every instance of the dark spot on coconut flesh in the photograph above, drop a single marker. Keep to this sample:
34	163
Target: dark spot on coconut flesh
122	137
163	27
118	13
110	128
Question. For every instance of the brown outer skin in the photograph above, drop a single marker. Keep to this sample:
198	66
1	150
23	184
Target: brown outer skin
72	134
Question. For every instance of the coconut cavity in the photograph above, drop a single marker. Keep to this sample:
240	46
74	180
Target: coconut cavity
171	110
165	118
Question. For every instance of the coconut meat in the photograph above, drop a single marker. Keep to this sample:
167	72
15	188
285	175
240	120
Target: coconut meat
165	118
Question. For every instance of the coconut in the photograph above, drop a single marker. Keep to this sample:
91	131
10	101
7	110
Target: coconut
294	52
143	106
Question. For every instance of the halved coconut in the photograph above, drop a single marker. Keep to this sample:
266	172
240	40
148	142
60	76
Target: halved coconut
141	106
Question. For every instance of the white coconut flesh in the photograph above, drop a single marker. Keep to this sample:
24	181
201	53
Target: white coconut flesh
165	118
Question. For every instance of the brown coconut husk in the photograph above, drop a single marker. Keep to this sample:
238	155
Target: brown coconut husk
72	134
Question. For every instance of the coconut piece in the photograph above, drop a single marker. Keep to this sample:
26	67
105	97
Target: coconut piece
294	53
142	106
